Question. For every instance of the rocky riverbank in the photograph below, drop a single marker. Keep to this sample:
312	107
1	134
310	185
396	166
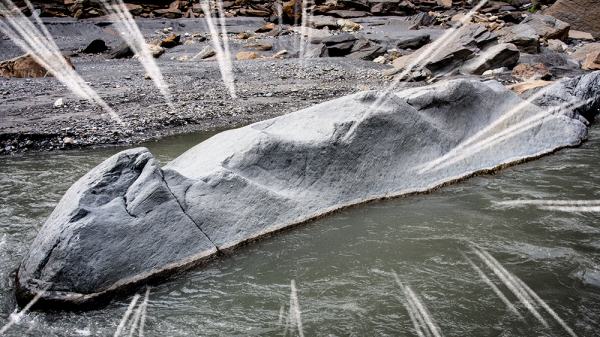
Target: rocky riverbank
510	45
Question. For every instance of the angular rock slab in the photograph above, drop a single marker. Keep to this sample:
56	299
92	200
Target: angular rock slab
116	226
121	224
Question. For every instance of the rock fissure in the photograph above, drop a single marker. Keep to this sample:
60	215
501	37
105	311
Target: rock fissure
186	214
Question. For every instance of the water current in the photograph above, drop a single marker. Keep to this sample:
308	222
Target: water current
343	265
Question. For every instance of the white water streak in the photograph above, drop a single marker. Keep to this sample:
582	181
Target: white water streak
302	33
135	320
281	310
132	35
144	307
558	205
510	282
550	202
571	208
224	62
529	123
223	28
499	293
547	307
41	47
418	310
126	315
13	319
295	309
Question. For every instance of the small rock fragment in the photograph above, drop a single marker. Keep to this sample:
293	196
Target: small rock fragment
529	72
260	46
592	61
246	55
266	28
59	103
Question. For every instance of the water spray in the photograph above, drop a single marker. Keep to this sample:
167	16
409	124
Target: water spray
126	315
41	47
132	35
16	318
225	65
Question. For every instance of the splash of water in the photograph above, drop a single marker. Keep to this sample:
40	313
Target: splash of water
223	28
41	47
144	309
418	310
294	319
132	35
223	60
558	205
493	263
510	282
126	315
497	291
16	318
303	33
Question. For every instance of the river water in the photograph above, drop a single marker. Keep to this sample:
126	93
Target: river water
343	265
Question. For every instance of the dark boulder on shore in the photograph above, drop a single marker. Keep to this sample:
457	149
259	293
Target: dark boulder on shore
128	221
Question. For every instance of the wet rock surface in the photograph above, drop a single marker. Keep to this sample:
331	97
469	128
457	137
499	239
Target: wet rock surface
283	171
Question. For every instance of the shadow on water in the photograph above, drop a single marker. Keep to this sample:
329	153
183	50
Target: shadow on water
342	264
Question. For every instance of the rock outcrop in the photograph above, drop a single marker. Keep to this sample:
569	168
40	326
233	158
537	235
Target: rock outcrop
128	221
471	50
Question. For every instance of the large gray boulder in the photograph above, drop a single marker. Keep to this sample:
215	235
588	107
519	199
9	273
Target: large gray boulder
128	221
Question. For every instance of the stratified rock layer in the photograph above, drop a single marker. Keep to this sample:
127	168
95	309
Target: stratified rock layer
128	221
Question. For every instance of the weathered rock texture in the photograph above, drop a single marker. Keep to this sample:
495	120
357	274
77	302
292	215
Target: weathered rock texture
581	14
472	50
128	221
26	66
580	93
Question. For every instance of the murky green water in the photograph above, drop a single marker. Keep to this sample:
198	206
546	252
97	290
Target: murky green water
343	264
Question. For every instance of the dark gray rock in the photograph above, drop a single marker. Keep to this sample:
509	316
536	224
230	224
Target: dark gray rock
463	45
346	14
316	51
339	49
413	42
368	54
113	228
492	57
337	39
96	46
128	221
360	45
522	35
120	51
548	26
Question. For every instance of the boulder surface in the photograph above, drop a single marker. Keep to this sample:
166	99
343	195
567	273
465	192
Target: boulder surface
128	221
